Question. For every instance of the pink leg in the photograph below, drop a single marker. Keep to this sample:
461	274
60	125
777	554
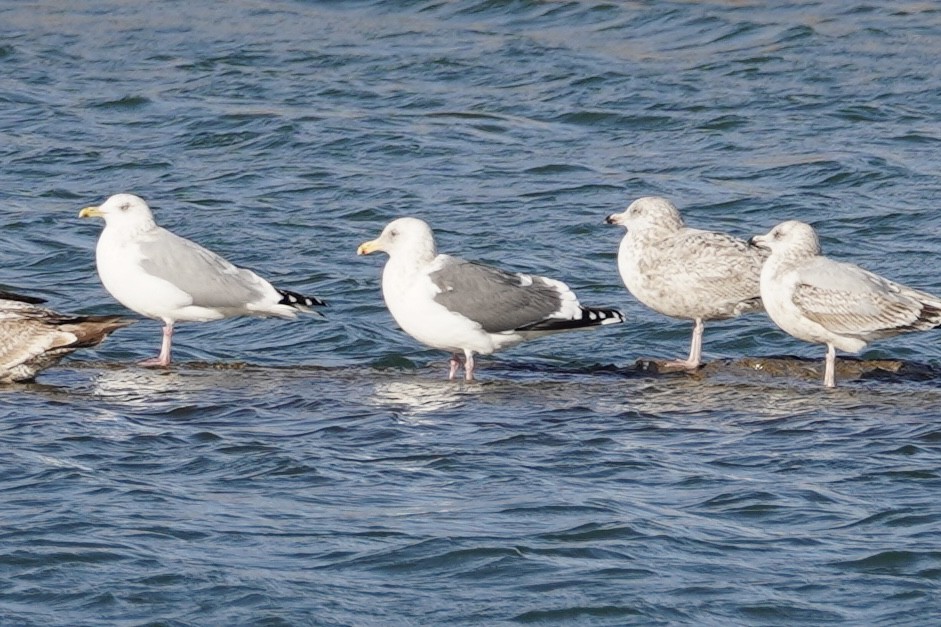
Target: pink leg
829	373
163	359
456	362
469	366
695	350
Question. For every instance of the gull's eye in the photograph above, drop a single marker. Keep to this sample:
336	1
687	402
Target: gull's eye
125	206
393	233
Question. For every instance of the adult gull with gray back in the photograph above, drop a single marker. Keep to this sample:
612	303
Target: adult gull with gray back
164	276
469	308
684	272
33	338
839	304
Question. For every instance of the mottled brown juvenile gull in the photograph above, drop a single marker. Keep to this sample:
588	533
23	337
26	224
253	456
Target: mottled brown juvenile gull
164	276
839	304
467	308
683	272
33	338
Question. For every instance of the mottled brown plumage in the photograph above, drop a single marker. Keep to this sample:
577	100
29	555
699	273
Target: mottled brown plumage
33	338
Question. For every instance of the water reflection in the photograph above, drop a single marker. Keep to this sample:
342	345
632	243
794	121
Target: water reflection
136	386
418	397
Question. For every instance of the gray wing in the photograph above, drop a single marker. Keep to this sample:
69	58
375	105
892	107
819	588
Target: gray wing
848	300
497	300
208	278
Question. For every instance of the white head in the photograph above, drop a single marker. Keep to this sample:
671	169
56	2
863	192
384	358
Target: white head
123	211
649	212
792	238
404	236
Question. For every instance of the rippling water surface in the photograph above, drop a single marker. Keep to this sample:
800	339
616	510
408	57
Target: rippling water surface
322	471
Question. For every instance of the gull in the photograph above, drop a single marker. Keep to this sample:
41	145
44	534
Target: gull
470	308
33	338
684	272
817	299
161	275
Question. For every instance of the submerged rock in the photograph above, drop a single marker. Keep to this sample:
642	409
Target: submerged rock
847	368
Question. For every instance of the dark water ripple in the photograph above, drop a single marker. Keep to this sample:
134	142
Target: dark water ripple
320	471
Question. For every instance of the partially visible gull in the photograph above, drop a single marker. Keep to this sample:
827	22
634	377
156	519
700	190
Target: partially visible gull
469	308
839	304
683	272
33	338
164	276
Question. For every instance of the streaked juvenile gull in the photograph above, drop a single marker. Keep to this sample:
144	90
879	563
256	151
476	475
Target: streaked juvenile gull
469	308
683	272
164	276
33	338
839	304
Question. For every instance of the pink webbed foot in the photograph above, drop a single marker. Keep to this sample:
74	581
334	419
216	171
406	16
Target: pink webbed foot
155	362
679	364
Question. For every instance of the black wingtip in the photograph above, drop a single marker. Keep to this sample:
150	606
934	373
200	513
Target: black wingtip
590	317
593	316
31	300
293	299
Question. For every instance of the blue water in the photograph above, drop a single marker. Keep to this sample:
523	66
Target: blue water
323	472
